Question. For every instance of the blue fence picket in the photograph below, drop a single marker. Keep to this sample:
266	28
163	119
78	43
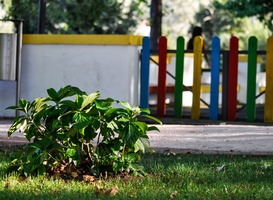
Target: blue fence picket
144	73
215	73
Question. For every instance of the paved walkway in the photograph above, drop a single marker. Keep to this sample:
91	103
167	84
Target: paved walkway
201	138
216	139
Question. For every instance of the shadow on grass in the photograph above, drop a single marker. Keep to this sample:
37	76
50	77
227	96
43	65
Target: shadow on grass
178	176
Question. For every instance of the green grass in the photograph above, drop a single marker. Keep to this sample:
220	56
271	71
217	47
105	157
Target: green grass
185	176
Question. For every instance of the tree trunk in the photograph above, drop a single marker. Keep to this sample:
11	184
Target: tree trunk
156	21
42	16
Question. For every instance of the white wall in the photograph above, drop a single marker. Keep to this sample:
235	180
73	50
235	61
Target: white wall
111	69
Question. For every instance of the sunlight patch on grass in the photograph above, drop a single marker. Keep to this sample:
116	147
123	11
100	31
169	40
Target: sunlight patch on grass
168	177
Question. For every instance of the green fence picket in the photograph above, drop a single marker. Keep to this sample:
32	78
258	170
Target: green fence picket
251	79
179	77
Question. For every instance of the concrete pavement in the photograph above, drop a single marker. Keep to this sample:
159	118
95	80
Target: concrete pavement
214	139
199	138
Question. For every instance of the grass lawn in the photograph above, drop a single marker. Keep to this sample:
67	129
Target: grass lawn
168	177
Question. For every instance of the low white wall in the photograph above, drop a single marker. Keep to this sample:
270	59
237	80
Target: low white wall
92	65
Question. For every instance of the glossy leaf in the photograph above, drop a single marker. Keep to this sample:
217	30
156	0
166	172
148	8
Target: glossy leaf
69	104
125	104
15	125
146	144
65	92
81	119
104	104
145	110
142	125
53	94
131	135
153	128
139	146
89	100
72	152
152	118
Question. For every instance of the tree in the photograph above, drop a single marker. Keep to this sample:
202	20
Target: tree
215	22
156	22
222	23
262	9
77	16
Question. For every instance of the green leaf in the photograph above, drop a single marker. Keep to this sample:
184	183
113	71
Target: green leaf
30	132
72	152
139	146
142	125
70	133
24	125
23	105
76	90
55	124
89	133
89	99
136	110
111	113
39	104
145	110
16	125
34	146
12	108
82	120
64	92
69	103
131	135
146	143
44	143
79	100
125	104
132	157
153	128
104	104
53	94
152	118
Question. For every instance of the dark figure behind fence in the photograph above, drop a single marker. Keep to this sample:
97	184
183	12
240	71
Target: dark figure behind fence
197	31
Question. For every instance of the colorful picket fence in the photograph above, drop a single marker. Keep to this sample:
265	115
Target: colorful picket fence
231	74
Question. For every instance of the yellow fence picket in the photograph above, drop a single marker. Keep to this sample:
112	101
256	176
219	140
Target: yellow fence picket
268	106
198	44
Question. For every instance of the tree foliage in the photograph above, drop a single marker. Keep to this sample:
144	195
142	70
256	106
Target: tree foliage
223	23
262	9
78	16
215	22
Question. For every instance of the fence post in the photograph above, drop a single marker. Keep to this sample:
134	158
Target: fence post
215	73
179	77
268	107
144	73
197	51
162	65
232	79
251	79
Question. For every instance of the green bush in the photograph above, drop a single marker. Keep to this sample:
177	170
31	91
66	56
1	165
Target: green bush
87	133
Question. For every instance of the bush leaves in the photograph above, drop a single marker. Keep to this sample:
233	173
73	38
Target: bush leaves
62	133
